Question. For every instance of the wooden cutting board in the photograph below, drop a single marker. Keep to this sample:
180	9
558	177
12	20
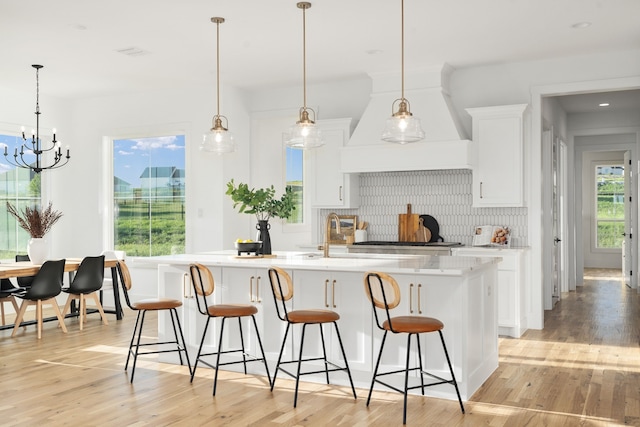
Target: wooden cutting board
408	225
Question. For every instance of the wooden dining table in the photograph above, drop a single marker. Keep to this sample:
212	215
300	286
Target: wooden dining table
26	268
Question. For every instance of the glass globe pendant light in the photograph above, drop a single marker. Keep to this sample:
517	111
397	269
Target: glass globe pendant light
218	139
304	133
402	126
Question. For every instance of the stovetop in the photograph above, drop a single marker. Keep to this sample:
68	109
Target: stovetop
385	243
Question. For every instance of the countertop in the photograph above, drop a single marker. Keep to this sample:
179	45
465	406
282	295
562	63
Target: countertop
399	264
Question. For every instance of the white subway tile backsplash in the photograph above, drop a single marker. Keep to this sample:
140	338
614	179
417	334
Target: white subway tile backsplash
445	195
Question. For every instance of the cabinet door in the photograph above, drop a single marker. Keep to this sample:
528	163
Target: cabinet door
507	302
175	282
330	188
343	293
498	174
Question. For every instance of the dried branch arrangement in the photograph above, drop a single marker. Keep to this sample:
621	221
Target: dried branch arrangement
36	222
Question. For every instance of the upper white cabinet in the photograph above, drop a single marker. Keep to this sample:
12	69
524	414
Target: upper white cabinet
498	153
329	186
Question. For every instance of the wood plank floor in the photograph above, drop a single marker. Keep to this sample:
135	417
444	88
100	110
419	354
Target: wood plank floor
583	369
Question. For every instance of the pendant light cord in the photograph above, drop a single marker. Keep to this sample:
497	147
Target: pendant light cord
218	68
304	58
402	47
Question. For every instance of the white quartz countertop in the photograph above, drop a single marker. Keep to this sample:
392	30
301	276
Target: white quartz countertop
399	264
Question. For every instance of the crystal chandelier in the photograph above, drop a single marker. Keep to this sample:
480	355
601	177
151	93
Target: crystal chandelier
34	145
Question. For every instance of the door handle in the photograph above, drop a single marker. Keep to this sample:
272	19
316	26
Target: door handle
333	294
258	290
326	284
410	297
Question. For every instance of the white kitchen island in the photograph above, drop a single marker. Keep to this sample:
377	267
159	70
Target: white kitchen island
460	291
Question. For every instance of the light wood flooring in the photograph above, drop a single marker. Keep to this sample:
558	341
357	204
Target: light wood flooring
583	369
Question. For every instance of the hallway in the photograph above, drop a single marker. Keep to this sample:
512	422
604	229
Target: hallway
582	369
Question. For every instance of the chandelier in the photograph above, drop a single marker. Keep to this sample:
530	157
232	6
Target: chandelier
218	139
304	133
402	127
34	146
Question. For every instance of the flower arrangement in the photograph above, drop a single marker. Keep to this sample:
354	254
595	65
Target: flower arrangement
261	202
35	221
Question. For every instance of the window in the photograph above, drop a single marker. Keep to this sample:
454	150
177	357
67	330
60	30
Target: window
295	180
609	206
21	187
149	195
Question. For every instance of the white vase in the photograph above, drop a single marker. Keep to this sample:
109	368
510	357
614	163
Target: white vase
37	250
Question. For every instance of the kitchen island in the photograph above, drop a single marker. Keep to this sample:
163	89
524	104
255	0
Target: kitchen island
460	291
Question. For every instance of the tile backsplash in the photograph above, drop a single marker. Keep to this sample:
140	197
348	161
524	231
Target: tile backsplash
445	195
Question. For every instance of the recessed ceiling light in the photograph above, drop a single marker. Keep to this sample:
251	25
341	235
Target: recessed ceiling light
604	104
579	25
373	52
132	51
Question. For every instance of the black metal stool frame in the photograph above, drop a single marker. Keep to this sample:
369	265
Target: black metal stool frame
202	308
326	370
407	369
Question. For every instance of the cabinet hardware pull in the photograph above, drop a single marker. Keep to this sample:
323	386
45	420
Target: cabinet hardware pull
340	193
184	284
419	304
258	290
251	299
481	190
326	284
333	294
410	297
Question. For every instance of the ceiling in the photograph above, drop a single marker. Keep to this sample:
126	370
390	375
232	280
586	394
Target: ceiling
261	41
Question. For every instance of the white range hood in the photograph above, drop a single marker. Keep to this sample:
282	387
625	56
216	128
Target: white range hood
445	145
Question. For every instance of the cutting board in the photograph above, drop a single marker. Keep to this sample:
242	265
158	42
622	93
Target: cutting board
408	225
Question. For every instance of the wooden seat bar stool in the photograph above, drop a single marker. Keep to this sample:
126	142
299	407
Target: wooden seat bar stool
384	293
282	288
142	307
203	285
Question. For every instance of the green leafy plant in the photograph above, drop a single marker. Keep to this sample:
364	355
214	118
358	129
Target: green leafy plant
261	202
35	221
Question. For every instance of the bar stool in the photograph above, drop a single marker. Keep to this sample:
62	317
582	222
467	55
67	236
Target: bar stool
282	288
384	293
151	304
203	284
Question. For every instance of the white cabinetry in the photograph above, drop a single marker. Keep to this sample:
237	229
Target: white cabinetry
251	286
511	287
498	147
342	292
330	187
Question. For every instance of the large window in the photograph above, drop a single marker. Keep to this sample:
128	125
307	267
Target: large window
295	180
609	206
149	195
21	187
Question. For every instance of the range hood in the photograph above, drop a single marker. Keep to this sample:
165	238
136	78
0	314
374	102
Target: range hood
445	145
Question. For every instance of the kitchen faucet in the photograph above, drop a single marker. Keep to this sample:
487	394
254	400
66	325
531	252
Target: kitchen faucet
327	232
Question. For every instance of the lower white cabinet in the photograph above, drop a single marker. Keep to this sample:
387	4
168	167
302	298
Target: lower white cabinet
511	287
342	292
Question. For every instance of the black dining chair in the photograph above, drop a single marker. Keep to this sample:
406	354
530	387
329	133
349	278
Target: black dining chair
142	307
7	290
26	281
85	284
47	284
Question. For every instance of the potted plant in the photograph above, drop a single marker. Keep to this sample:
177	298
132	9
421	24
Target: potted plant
37	223
264	204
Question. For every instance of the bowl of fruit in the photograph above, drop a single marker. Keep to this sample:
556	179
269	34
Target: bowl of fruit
248	246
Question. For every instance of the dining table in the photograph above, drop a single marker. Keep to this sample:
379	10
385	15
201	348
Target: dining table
26	269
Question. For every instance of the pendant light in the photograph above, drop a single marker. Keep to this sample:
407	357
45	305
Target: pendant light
304	134
218	139
402	127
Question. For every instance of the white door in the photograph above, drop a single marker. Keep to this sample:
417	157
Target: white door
627	247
